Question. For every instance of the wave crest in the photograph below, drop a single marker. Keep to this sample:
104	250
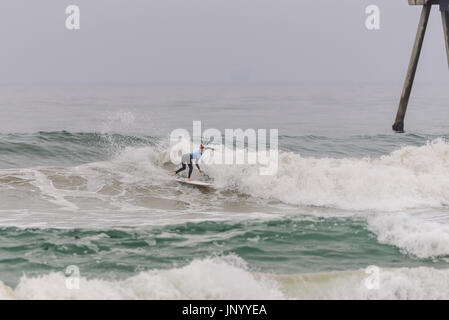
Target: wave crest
228	278
411	177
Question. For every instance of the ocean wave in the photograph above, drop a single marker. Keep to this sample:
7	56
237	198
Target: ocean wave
411	177
229	278
418	235
62	148
373	283
72	148
135	184
214	278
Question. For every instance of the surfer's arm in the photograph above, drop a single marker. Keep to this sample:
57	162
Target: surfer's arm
197	165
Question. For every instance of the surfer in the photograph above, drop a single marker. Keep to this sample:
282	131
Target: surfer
187	159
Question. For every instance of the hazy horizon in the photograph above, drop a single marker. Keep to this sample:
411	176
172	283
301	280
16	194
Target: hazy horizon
199	41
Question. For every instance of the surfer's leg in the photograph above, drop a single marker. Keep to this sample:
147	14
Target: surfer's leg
182	169
190	169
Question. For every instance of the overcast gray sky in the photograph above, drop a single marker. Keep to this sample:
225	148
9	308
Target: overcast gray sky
140	41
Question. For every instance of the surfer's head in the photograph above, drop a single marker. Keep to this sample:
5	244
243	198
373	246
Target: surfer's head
201	149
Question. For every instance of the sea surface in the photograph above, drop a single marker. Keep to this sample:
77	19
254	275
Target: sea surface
354	210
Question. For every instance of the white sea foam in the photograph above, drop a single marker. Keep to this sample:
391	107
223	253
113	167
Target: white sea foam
393	284
229	278
418	235
412	177
385	190
214	278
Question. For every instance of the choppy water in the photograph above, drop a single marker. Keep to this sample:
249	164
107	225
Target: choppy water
83	181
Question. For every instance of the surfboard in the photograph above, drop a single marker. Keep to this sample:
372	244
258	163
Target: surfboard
194	183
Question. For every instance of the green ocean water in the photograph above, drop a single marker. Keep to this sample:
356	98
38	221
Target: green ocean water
287	246
85	183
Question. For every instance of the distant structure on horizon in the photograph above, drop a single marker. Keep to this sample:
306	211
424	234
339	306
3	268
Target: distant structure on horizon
398	125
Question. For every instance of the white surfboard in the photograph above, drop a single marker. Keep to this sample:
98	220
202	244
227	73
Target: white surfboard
194	183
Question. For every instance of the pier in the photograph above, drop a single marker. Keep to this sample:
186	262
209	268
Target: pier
398	125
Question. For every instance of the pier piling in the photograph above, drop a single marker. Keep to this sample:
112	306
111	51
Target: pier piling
398	125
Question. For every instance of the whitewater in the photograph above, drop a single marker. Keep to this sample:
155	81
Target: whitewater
95	192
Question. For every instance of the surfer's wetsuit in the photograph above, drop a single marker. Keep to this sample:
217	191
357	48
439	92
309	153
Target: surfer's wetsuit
187	160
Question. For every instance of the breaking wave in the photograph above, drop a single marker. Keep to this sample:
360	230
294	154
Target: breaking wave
229	278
